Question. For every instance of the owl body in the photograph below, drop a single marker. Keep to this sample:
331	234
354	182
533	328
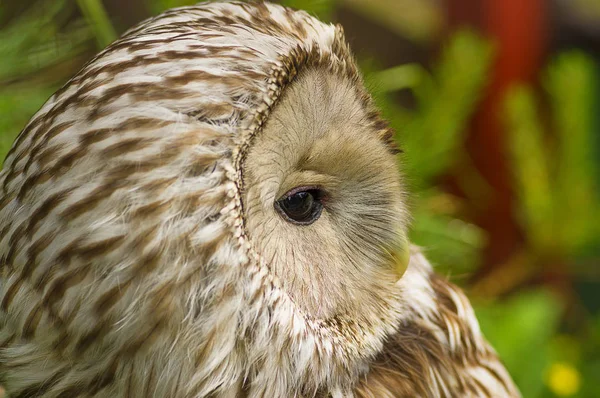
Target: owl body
211	208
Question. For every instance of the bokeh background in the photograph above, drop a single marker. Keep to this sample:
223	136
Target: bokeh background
496	104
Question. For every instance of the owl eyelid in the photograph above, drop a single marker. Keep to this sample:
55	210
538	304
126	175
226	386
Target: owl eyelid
305	188
306	180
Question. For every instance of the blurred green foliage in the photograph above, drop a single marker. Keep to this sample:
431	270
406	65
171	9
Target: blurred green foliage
98	21
521	329
39	50
551	135
431	136
558	203
556	181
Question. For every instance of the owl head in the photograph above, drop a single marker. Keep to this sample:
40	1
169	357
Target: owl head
213	207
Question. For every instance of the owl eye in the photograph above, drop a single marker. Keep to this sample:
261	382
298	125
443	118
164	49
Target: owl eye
301	205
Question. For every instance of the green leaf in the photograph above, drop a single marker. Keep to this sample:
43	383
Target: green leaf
95	15
452	245
571	81
399	77
445	101
530	169
42	37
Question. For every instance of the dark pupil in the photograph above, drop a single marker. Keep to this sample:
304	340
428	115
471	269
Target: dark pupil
299	206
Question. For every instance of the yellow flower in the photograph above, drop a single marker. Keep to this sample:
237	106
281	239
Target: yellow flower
563	379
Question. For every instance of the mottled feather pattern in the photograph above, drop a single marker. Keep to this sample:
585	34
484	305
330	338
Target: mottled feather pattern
126	268
439	352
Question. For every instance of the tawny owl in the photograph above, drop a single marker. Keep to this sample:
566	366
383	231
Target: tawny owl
212	208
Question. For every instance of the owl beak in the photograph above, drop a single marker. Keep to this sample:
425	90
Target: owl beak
401	257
